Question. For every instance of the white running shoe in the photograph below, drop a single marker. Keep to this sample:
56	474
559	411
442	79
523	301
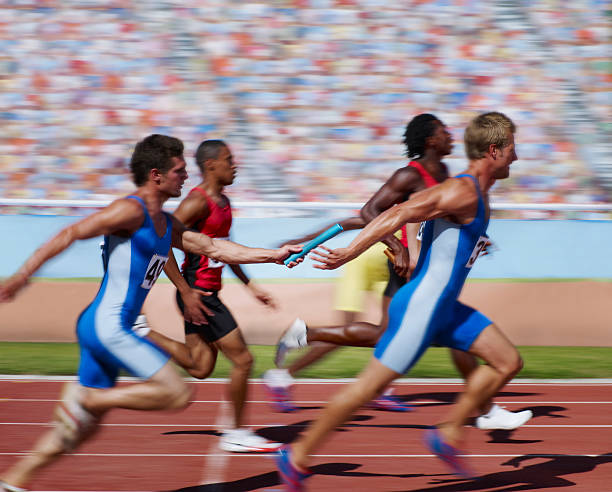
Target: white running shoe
246	441
294	337
502	419
140	326
72	421
277	383
277	378
5	487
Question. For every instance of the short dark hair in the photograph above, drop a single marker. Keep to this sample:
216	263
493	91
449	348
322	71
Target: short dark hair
154	152
418	130
208	149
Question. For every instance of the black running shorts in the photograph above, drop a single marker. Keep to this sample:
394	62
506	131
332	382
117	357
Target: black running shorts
218	325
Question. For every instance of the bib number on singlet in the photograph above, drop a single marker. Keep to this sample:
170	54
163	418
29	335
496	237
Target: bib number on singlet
156	265
480	244
214	263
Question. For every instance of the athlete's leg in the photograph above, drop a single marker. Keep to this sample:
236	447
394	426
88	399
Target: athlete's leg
235	349
46	450
370	383
196	356
502	363
164	390
353	334
466	363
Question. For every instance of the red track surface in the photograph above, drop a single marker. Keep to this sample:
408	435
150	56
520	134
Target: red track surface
566	446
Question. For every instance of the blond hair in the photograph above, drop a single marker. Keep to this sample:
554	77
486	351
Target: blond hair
487	129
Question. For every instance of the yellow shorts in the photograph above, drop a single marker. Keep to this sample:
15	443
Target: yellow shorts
366	273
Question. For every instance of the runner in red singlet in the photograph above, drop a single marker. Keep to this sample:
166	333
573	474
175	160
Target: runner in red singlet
207	209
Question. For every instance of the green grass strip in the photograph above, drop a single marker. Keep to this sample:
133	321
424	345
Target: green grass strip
347	362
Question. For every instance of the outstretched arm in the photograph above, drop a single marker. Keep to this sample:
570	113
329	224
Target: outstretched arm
227	251
349	224
454	198
396	189
122	216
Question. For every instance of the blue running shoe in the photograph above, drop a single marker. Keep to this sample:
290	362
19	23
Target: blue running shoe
388	401
446	452
280	400
290	475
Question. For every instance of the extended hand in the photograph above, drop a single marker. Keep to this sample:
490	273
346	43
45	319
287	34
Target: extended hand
195	310
12	285
262	296
401	262
286	251
330	259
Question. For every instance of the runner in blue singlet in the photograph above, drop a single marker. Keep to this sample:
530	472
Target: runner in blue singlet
137	239
426	309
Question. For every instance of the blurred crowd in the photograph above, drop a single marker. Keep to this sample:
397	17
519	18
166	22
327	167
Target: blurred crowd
312	95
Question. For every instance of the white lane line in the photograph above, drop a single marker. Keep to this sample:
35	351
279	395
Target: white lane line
403	381
215	464
215	426
320	402
258	455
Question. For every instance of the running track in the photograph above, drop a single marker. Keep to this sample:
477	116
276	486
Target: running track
566	446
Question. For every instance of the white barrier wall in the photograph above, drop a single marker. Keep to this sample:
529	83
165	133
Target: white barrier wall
525	249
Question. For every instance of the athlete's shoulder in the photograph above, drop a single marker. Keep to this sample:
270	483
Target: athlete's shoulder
130	204
407	179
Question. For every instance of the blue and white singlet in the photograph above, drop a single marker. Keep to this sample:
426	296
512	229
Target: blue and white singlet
426	309
131	267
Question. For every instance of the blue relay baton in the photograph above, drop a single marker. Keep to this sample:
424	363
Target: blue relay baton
313	243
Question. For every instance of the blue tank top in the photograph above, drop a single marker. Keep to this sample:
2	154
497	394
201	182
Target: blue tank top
131	267
449	250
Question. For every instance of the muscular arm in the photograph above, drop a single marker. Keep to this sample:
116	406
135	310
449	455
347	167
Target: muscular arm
454	199
224	250
349	224
400	185
123	216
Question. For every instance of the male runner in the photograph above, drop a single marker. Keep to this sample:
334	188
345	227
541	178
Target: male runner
426	310
137	239
207	209
427	141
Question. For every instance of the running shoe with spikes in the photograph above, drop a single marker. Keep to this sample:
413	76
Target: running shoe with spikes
293	337
447	453
5	487
289	474
72	421
140	326
243	440
278	383
389	402
498	418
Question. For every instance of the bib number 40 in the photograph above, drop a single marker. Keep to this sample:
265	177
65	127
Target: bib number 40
156	265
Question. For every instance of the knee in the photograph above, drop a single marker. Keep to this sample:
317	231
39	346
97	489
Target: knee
244	363
200	372
512	365
178	396
183	397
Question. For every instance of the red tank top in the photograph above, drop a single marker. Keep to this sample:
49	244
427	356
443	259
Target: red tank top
199	270
429	182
